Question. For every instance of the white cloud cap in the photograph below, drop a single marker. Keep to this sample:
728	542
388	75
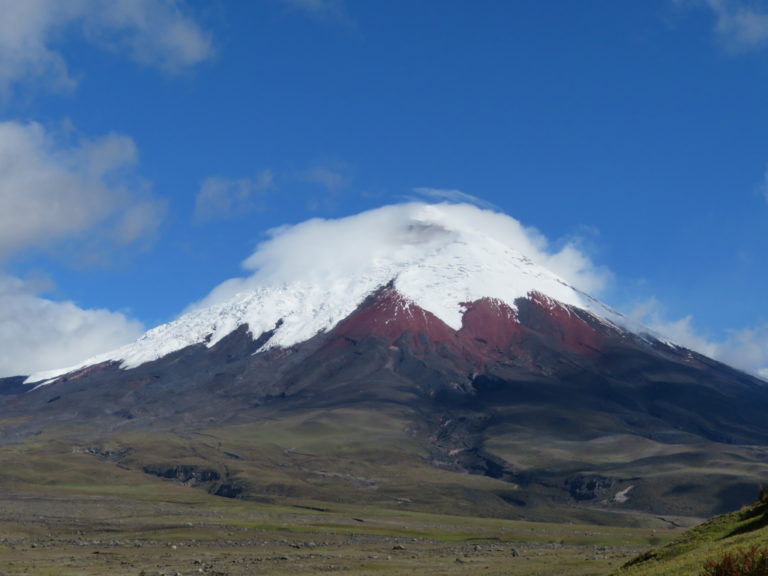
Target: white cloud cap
389	238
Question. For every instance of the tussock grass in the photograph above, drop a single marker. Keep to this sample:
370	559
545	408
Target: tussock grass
708	542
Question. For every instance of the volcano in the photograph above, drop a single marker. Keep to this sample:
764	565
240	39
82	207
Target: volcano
439	367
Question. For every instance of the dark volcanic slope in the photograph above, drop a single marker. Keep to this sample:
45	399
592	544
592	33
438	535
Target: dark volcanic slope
546	397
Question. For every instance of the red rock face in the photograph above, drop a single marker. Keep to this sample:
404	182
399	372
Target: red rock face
491	330
565	325
489	325
388	315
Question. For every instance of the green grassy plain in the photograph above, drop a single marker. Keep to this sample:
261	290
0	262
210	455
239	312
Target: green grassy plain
71	507
350	491
179	530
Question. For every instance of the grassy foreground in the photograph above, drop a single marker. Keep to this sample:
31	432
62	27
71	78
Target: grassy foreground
687	555
182	531
347	492
65	511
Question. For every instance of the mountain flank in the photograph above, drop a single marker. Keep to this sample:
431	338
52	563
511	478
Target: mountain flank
449	372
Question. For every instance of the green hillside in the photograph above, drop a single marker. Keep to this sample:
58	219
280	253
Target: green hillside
710	541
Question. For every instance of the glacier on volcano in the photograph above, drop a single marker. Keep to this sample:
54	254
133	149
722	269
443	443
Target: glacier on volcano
309	277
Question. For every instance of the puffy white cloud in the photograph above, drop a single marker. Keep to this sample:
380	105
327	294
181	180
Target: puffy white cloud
225	198
746	348
51	191
24	33
83	195
740	25
681	331
40	334
152	32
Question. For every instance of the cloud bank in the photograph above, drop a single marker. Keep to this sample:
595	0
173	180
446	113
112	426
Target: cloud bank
80	194
40	334
152	32
84	197
746	348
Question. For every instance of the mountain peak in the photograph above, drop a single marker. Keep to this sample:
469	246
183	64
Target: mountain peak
314	275
450	319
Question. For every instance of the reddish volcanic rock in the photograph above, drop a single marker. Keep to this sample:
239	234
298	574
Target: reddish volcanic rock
538	336
491	329
388	315
560	323
489	324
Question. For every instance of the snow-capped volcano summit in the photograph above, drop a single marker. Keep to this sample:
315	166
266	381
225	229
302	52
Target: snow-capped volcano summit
476	341
309	277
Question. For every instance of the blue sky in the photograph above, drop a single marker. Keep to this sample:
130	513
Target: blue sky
146	147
